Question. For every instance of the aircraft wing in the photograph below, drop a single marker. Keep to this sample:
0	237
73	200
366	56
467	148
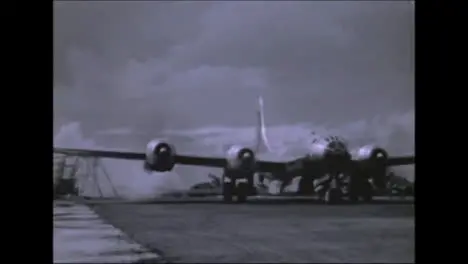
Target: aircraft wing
220	162
101	153
400	160
297	165
262	165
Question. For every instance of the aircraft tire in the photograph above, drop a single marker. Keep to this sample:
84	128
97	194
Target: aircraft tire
228	191
359	187
366	192
242	192
333	196
306	186
408	191
353	196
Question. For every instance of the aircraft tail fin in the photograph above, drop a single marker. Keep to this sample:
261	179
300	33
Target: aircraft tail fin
261	141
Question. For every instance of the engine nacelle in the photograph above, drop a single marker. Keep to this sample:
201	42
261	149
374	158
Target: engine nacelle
371	153
240	158
160	156
317	150
372	164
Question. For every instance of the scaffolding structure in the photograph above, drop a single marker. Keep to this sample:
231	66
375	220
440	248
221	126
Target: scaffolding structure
81	176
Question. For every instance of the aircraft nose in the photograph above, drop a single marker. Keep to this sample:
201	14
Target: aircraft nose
337	154
336	148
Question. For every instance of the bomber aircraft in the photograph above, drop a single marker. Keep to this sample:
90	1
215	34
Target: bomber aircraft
323	170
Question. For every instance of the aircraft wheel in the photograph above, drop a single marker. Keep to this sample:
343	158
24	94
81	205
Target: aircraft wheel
321	185
242	192
366	192
353	196
306	186
333	196
360	187
408	191
228	190
353	189
320	189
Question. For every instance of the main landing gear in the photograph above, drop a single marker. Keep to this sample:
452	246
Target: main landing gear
360	187
334	189
238	186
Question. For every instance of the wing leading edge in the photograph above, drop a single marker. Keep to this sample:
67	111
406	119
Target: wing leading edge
400	160
297	165
111	154
262	165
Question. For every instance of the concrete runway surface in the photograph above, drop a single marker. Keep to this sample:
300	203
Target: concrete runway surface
80	236
273	231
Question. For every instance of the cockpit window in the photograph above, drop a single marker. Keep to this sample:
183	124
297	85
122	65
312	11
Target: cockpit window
331	138
341	145
336	143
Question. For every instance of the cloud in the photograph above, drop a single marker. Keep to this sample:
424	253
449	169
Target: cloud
160	65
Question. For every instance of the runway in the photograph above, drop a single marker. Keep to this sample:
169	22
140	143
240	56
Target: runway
80	236
268	231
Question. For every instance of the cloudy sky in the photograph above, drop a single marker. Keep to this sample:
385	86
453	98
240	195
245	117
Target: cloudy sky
154	66
158	65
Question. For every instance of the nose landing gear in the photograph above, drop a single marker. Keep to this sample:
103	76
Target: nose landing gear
329	188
